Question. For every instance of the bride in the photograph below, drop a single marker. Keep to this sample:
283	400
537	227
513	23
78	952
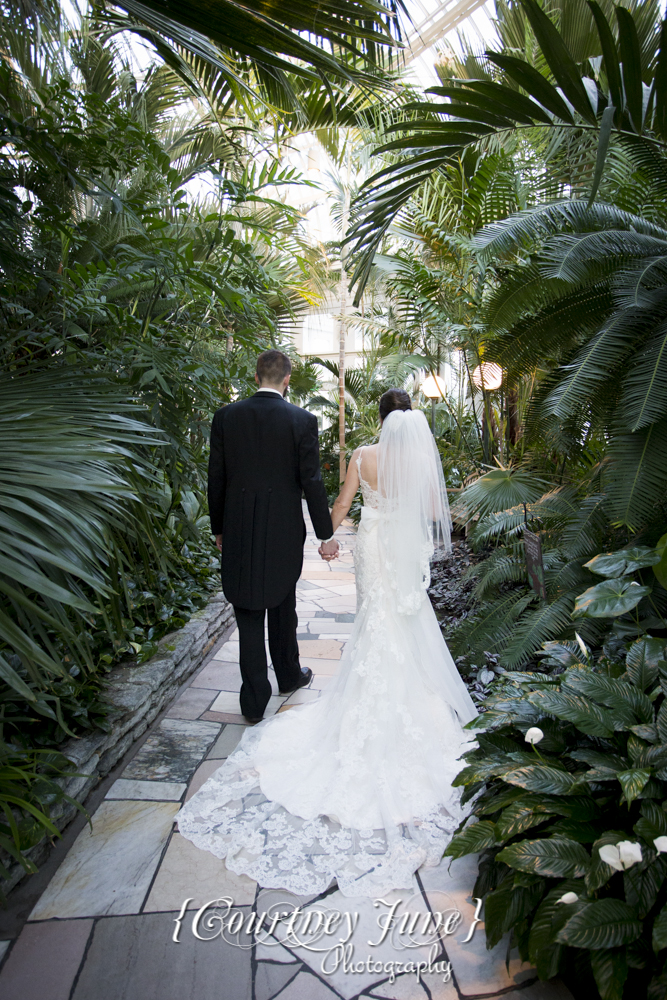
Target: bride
357	786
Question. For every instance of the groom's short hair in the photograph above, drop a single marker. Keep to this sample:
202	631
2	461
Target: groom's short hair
272	367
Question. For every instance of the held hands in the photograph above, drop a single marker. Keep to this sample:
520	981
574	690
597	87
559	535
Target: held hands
329	550
218	542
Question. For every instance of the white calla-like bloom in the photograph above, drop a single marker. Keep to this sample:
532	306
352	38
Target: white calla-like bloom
660	844
610	854
568	897
631	853
534	735
621	856
582	645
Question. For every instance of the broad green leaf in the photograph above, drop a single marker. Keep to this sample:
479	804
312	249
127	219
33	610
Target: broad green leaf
551	915
646	732
654	756
654	789
537	778
583	833
605	923
600	759
553	858
660	568
615	564
643	882
518	817
610	968
632	782
496	799
473	839
638	753
506	906
534	83
610	56
661	722
512	104
10	677
642	661
496	741
560	62
597	774
584	713
582	808
659	937
609	599
561	653
631	66
603	145
628	703
480	771
652	823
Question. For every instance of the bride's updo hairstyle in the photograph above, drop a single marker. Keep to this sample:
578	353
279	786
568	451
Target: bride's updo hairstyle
394	399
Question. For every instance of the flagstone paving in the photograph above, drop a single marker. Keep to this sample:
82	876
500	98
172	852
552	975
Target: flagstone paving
119	917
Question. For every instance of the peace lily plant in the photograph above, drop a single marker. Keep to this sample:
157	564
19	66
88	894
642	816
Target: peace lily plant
573	838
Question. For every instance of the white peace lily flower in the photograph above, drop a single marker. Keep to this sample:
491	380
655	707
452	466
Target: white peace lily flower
569	897
630	852
582	644
534	735
660	844
621	856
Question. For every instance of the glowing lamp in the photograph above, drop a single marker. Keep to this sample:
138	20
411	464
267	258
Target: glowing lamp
434	387
488	376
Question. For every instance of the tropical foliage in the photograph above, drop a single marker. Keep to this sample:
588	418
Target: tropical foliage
147	254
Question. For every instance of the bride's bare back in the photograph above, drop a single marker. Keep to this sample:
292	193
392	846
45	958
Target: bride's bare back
369	472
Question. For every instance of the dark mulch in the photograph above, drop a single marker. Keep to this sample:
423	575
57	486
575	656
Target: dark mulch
451	597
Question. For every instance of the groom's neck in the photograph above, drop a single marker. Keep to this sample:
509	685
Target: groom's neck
276	388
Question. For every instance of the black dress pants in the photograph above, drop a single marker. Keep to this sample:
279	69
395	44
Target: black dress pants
256	687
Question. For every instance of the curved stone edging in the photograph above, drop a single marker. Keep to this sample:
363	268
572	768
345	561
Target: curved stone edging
137	694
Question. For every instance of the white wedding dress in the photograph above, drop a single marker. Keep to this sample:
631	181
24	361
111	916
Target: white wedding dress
356	786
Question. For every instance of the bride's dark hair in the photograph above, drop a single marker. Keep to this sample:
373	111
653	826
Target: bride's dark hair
394	399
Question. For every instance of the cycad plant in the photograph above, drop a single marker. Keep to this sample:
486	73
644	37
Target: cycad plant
592	289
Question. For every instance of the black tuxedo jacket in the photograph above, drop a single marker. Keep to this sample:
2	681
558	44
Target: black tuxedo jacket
264	454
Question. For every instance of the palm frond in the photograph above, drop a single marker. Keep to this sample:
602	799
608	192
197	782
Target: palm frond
497	490
635	478
645	388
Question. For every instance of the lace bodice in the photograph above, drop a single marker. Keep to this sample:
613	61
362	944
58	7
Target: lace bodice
371	496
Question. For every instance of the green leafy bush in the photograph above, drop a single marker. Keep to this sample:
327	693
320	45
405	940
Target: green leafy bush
29	788
573	829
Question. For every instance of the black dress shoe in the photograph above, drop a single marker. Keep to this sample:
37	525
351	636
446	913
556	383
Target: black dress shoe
306	678
253	722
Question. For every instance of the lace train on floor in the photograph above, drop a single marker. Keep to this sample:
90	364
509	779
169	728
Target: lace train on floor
259	838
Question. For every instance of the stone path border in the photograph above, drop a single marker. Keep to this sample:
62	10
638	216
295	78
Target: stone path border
103	926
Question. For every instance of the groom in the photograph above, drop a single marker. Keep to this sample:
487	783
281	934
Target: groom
264	454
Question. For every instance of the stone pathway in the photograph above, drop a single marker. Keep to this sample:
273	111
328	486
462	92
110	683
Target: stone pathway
104	927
